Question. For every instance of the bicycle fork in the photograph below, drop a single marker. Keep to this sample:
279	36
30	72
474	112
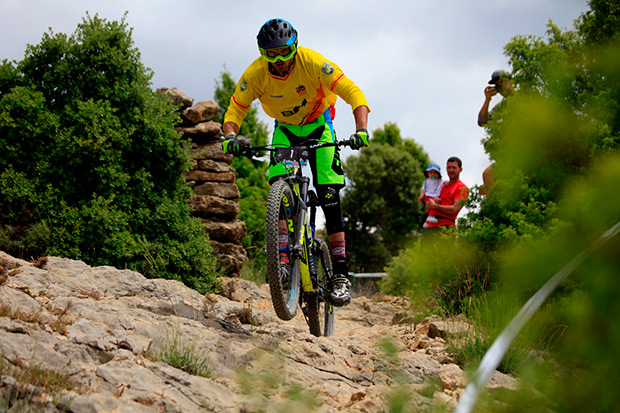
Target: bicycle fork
303	243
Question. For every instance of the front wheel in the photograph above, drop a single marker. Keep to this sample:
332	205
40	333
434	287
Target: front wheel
320	310
284	278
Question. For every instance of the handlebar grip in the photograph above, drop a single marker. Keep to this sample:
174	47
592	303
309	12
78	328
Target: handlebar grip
348	142
246	151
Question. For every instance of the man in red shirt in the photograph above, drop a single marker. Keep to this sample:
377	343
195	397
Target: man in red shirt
452	197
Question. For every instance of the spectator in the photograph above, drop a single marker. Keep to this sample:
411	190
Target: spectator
501	82
488	179
431	189
452	197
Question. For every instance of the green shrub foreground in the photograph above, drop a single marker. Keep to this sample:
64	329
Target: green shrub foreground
91	165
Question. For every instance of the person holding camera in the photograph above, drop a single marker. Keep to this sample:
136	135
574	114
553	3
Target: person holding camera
501	82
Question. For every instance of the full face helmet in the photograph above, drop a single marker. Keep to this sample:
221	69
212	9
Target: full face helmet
277	40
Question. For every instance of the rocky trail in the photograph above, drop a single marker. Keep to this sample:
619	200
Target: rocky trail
105	330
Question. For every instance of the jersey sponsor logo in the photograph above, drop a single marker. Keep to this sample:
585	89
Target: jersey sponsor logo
327	68
295	109
301	90
244	85
276	96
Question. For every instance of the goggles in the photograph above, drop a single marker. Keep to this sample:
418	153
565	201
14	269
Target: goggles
278	53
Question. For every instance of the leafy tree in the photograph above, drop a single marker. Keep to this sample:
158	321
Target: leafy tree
389	135
91	164
380	205
251	174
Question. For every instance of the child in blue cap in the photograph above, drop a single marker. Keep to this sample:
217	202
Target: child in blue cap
431	189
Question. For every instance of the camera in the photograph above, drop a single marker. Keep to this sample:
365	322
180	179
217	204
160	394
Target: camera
499	88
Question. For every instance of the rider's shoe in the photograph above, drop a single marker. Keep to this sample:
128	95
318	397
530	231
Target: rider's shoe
432	220
341	291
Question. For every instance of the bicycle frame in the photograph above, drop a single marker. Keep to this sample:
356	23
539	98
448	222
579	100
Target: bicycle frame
304	234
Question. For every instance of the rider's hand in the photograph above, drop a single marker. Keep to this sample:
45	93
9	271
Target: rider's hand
359	139
231	146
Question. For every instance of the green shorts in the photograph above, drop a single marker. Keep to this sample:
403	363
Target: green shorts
325	162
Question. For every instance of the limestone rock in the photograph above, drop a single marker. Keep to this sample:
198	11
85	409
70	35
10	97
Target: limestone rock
213	182
220	189
230	256
209	130
205	205
452	377
210	150
176	96
117	321
211	165
201	112
231	231
204	176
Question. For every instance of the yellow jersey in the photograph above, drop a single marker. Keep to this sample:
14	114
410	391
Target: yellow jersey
310	87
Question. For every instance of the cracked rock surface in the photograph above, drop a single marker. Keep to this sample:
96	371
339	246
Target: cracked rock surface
105	329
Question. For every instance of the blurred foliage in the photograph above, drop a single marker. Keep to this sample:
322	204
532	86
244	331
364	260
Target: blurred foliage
266	382
554	144
251	175
437	271
575	337
91	165
380	202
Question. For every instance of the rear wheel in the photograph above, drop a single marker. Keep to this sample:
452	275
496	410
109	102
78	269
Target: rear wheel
284	279
320	311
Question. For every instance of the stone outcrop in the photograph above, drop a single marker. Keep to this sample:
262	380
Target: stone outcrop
216	195
109	331
176	96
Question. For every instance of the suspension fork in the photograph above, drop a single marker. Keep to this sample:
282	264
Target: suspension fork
303	242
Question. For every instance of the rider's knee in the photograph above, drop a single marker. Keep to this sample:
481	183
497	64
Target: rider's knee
329	198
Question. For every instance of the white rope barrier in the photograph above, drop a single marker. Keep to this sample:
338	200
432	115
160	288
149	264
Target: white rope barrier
498	349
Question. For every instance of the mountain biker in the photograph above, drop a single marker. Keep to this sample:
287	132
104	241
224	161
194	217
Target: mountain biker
298	88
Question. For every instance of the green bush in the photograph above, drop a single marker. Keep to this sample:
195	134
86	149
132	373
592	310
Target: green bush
380	204
90	154
440	273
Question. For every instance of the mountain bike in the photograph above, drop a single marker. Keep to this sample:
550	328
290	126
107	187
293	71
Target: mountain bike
305	281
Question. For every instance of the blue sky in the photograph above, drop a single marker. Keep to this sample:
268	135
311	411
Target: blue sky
422	64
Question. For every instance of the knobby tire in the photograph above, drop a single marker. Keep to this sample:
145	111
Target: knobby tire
320	311
284	293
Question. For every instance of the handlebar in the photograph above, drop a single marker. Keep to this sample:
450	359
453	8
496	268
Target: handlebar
250	151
